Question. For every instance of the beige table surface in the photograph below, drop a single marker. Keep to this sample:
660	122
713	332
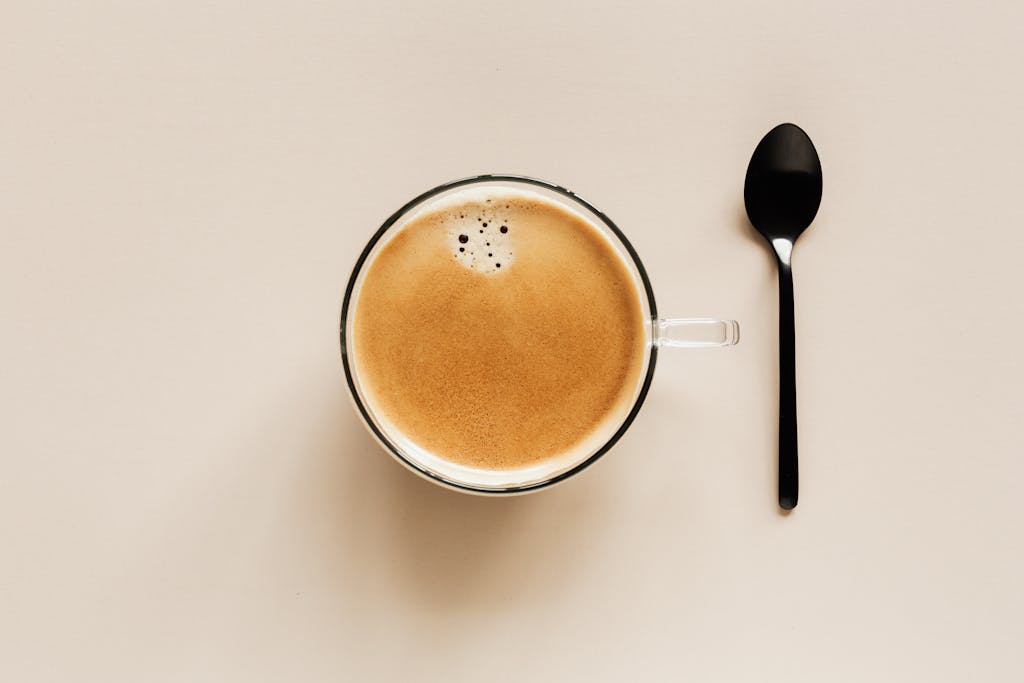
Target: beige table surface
186	494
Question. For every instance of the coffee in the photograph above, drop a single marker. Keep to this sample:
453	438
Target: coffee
497	329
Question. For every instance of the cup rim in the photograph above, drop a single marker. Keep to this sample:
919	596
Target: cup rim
386	442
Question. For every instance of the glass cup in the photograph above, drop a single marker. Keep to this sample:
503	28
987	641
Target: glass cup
659	333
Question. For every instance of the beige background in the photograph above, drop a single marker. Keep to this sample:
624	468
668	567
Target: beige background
186	495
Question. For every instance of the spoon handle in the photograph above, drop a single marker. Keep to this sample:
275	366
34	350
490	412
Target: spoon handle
788	473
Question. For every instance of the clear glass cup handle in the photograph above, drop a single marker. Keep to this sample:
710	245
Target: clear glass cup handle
690	333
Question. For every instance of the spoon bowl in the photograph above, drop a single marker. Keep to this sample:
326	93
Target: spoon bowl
782	191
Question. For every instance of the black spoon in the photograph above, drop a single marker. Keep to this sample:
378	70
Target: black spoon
782	193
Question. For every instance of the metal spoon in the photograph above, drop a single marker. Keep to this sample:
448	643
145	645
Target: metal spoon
782	193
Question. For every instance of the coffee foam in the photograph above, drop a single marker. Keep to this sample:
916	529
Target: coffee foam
478	235
479	225
496	348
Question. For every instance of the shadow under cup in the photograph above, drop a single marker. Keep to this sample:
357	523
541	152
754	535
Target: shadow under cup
546	472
